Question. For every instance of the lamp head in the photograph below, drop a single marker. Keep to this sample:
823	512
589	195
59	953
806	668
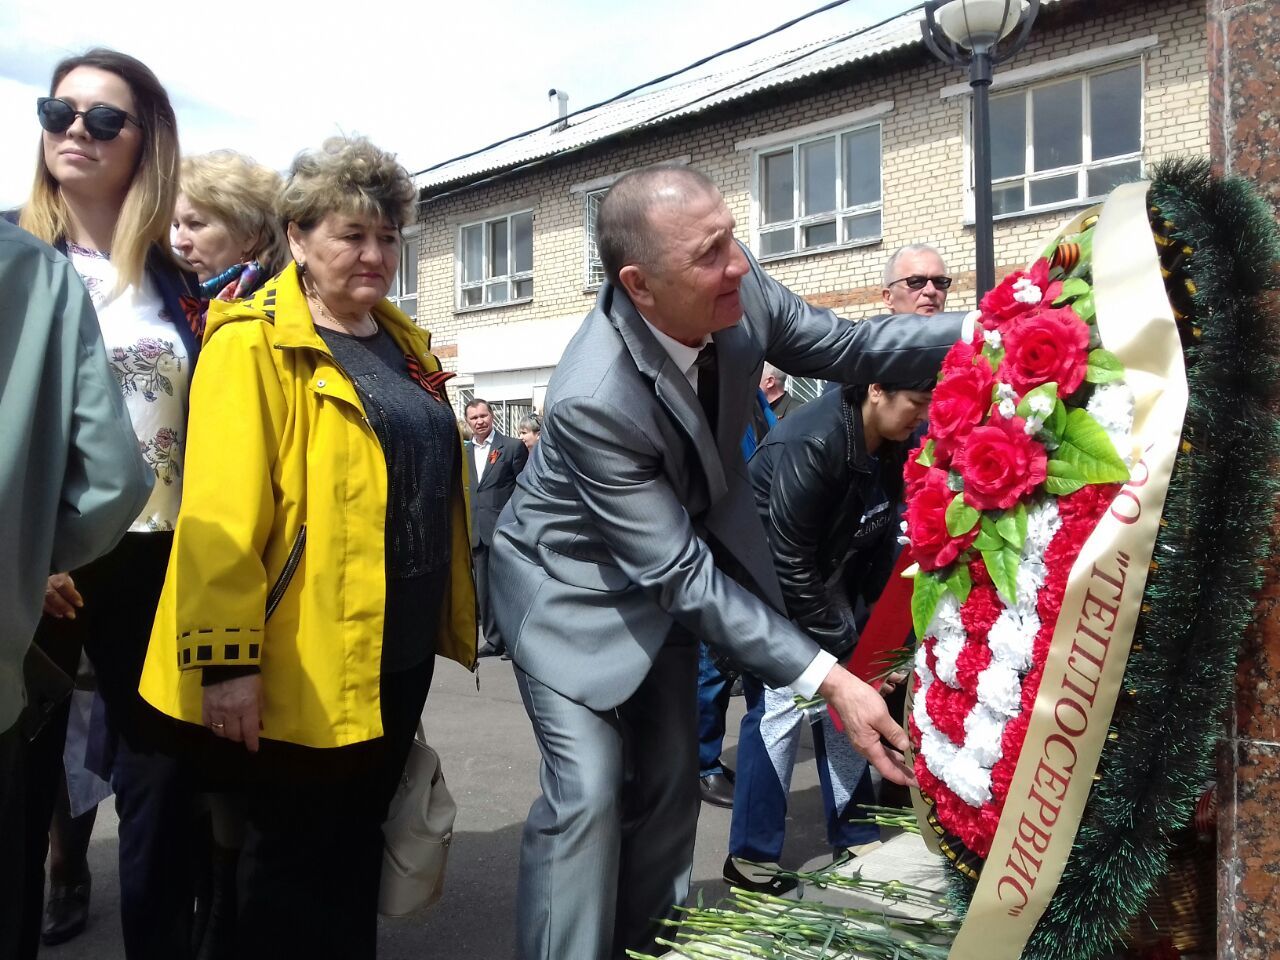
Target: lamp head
955	30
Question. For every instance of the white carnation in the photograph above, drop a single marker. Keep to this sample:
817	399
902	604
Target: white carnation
1042	525
1000	689
1024	291
1011	639
984	735
968	779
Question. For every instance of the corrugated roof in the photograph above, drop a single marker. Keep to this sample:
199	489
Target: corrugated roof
682	99
692	96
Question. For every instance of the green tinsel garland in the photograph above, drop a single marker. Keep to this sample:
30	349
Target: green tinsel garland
1200	595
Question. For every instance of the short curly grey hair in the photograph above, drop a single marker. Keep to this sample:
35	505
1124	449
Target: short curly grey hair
347	175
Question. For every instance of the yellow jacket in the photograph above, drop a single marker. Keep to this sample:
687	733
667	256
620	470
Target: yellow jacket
284	502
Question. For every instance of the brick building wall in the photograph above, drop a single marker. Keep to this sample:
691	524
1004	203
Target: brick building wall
923	172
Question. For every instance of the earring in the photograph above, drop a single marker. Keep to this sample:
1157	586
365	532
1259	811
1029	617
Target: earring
302	268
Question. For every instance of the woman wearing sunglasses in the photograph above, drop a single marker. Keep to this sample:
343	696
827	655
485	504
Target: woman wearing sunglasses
106	176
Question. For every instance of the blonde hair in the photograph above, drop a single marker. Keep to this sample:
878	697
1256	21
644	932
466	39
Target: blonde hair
347	175
143	222
242	194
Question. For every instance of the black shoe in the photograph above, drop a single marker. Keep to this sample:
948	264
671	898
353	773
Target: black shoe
716	789
775	885
736	689
488	649
66	913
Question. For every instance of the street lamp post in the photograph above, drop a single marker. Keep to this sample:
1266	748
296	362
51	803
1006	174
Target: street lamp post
973	33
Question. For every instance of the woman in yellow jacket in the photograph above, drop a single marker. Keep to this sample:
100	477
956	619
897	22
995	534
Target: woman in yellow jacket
321	558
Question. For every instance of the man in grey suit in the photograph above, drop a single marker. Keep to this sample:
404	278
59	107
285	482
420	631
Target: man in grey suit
633	534
493	463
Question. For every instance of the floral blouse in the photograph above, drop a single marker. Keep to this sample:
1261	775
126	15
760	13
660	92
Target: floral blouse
151	365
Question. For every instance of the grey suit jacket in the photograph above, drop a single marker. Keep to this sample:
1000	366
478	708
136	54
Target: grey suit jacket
610	534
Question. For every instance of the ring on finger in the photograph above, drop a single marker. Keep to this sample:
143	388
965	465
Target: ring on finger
217	725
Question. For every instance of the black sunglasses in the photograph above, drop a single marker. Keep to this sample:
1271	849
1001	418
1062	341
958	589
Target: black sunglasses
101	122
917	282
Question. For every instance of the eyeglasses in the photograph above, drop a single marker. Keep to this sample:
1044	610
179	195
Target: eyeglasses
917	282
101	122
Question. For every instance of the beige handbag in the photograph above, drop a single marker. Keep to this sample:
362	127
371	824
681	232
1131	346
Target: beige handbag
416	835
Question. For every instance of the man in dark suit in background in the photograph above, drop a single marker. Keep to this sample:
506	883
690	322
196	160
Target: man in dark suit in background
493	463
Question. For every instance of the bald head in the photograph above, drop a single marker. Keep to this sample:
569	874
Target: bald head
623	231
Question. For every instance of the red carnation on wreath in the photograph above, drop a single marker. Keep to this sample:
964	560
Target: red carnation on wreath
1050	345
931	544
1000	464
1020	292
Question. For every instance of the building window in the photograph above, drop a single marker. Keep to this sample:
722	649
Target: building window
496	261
820	193
1067	141
595	269
404	288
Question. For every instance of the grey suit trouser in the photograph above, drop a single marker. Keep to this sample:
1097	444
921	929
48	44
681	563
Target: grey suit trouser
608	847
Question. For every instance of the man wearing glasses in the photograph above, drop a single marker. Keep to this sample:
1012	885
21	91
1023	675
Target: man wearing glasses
915	281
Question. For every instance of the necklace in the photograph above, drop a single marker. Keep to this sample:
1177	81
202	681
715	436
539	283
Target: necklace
347	326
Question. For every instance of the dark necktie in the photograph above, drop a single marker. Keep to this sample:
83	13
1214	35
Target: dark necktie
709	383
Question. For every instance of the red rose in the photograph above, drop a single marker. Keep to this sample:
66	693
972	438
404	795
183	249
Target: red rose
931	545
1000	464
1020	292
1048	345
960	402
912	472
961	353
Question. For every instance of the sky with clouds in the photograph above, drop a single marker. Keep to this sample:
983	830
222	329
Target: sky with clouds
426	80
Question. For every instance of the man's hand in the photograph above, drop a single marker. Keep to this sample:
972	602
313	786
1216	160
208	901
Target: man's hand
891	682
867	724
233	709
61	598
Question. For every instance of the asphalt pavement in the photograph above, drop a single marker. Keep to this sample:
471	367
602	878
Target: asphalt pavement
490	761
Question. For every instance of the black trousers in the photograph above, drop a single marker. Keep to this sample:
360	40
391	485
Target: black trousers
312	855
154	799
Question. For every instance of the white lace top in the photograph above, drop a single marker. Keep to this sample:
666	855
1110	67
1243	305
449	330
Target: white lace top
151	365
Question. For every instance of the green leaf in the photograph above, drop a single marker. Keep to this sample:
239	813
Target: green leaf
1071	288
959	583
1104	367
993	356
1086	446
961	518
1085	308
1003	567
1062	478
1012	527
1049	390
928	591
926	455
988	537
1057	421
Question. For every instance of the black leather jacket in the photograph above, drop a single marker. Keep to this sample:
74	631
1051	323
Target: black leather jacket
830	524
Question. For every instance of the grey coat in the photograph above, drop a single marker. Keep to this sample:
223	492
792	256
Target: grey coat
72	478
606	540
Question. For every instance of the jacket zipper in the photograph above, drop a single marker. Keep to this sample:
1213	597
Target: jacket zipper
290	566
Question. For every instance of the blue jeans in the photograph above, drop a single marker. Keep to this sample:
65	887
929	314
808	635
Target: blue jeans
767	751
713	701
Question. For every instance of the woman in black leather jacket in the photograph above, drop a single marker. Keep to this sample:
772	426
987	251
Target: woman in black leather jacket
828	485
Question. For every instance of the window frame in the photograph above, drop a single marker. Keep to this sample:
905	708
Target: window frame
396	294
799	222
512	278
590	253
1029	176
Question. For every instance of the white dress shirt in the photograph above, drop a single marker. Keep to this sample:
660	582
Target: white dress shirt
480	450
684	357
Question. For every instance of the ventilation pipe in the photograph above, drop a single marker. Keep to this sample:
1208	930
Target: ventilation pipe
562	107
